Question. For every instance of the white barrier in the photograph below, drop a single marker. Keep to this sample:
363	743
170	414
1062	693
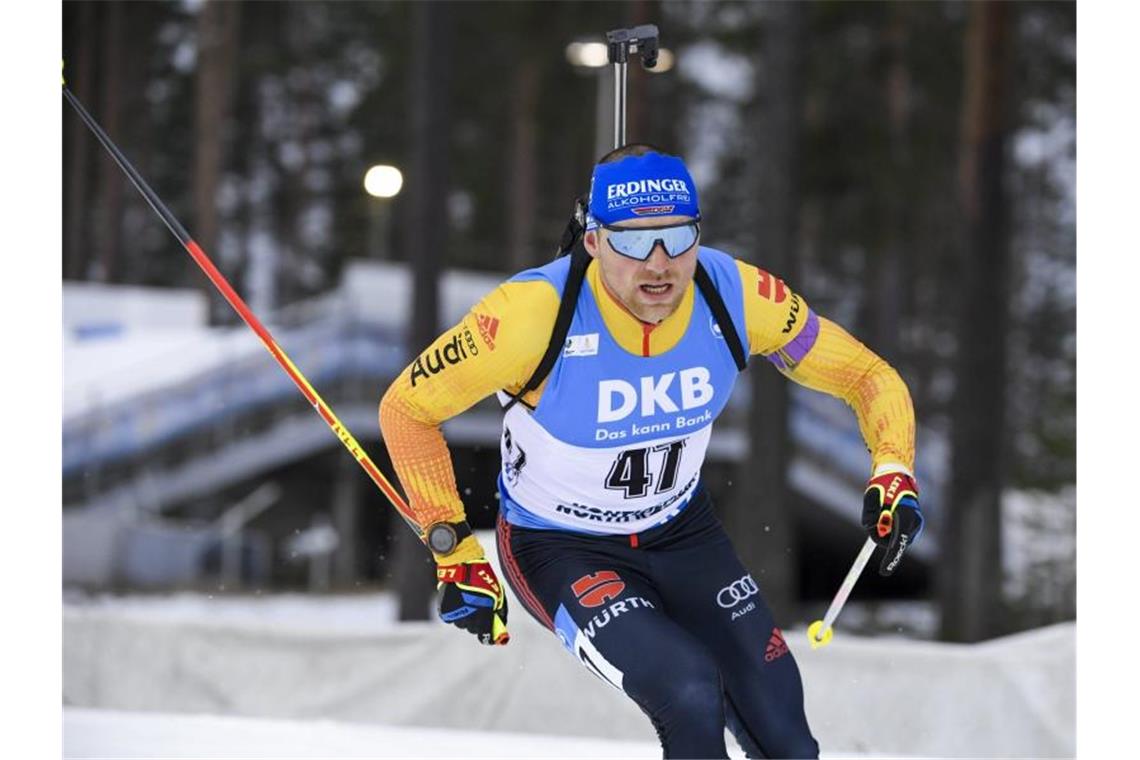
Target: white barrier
1011	697
92	306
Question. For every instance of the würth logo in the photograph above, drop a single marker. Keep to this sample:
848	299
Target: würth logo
488	329
772	288
596	589
777	647
793	314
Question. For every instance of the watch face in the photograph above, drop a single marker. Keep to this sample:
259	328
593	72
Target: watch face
441	538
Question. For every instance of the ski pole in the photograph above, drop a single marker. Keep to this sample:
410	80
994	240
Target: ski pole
640	40
247	316
819	632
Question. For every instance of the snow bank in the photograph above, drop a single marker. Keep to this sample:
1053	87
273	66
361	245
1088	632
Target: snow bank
92	309
102	733
1010	697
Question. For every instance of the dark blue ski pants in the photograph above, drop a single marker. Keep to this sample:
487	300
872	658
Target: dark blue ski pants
673	619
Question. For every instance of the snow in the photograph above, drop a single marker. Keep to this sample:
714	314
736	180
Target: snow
340	674
107	733
120	342
101	372
363	613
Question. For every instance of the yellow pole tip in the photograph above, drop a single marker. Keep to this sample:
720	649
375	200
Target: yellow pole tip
814	635
499	633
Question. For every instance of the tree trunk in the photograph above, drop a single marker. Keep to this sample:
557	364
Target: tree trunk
111	180
75	230
523	165
760	517
885	299
971	554
427	237
637	86
346	518
217	51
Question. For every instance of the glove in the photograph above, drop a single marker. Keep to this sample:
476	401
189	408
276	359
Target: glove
473	600
891	515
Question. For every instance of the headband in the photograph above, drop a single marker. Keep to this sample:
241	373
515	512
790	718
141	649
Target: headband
641	186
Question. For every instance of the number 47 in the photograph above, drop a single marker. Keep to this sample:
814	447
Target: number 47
630	471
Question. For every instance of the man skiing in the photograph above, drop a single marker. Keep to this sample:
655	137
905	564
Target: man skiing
605	531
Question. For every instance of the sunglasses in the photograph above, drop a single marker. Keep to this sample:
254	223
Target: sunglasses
639	243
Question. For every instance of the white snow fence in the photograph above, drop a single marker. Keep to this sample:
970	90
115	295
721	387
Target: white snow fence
1012	697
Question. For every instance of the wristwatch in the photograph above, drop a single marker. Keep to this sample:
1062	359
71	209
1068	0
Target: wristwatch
443	537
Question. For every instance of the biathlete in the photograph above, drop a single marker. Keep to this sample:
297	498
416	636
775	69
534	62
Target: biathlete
605	531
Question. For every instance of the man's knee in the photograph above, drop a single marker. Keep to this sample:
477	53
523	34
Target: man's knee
695	692
784	741
771	727
685	701
689	680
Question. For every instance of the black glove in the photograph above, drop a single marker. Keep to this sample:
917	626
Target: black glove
473	600
891	515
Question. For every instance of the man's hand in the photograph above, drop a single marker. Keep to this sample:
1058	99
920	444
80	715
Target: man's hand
891	515
473	600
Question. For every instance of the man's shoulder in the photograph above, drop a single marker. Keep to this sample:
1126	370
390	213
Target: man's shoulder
762	289
761	282
715	256
723	268
537	291
716	259
555	273
525	305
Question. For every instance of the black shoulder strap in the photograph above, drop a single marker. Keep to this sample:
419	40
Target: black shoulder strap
720	312
579	261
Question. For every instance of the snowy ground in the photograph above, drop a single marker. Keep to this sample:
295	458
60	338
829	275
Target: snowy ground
332	613
109	733
296	675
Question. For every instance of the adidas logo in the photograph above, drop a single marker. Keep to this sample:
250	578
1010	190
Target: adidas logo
488	329
777	647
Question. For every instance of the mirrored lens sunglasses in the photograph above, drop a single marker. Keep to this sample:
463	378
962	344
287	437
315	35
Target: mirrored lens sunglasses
639	243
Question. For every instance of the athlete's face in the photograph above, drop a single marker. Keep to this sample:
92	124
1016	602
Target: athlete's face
650	289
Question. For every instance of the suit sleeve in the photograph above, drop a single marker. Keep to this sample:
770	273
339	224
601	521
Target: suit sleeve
819	354
497	345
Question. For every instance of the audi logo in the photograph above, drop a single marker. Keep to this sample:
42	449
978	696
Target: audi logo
737	592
